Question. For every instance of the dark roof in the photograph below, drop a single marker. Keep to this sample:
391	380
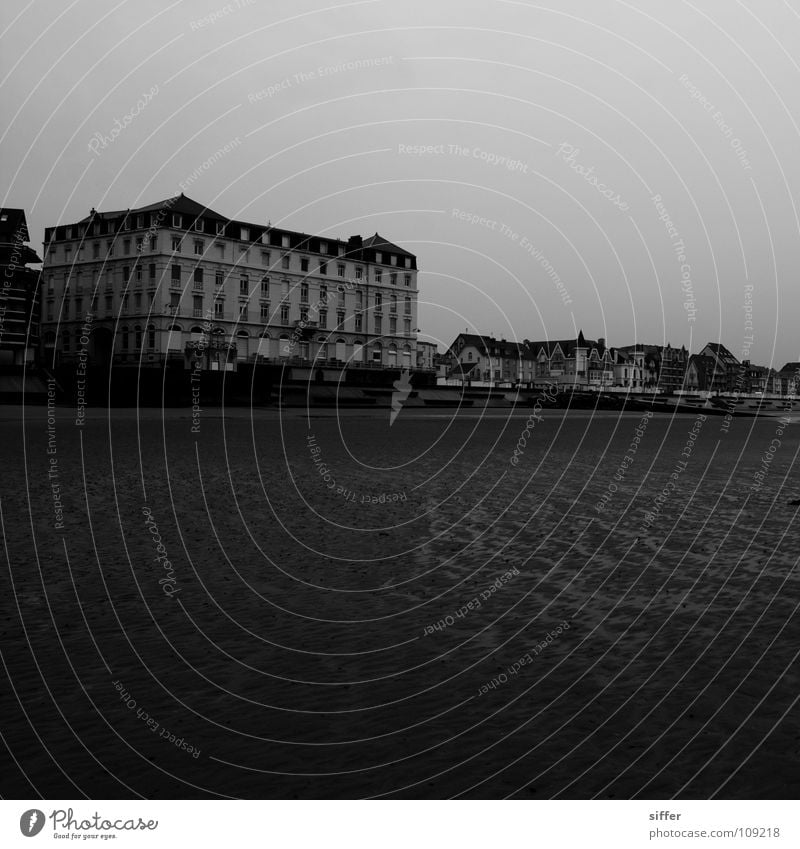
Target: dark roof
378	243
790	368
13	226
719	351
14	234
180	204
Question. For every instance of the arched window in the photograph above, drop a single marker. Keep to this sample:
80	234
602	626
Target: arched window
358	351
151	336
393	354
65	341
263	344
125	338
137	331
406	356
284	346
322	349
377	352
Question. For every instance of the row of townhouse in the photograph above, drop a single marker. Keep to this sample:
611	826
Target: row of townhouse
485	361
587	364
716	369
176	282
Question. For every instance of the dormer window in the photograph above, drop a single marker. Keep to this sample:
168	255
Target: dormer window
177	221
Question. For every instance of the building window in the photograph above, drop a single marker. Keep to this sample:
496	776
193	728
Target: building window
378	275
408	306
265	257
243	310
95	250
137	271
284	313
139	244
359	272
49	310
176	244
323	293
393	303
153	243
323	247
392	325
407	279
67	252
341	296
339	318
177	220
244	254
407	326
151	336
340	269
220	228
198	278
304	293
303	263
79	305
378	302
285	242
219	278
176	273
137	300
220	250
393	279
197	305
265	287
65	341
174	301
198	247
303	313
323	268
152	271
244	234
284	261
219	308
198	225
357	323
323	319
126	246
244	284
110	246
109	304
264	312
125	338
378	324
126	274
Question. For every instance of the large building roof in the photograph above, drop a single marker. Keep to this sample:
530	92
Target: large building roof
159	214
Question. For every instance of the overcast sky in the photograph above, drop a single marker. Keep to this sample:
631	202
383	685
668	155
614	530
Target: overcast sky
515	147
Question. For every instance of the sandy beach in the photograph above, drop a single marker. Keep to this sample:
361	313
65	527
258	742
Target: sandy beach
268	604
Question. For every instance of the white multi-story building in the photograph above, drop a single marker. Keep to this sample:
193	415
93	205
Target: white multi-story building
175	282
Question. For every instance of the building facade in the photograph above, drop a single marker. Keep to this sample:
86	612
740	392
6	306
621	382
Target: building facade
177	283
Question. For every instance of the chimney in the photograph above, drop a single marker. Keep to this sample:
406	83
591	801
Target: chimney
601	342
